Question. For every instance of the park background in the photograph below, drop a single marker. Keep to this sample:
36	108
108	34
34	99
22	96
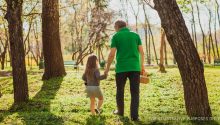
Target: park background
83	30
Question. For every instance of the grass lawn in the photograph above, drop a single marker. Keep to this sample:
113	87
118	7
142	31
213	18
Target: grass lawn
63	101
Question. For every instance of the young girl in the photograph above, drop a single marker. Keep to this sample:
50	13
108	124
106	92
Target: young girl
92	78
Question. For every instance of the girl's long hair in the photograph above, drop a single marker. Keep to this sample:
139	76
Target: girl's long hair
91	66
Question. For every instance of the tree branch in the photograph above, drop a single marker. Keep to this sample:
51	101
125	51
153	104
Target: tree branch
148	3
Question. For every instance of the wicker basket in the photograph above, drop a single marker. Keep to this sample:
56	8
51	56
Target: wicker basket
144	79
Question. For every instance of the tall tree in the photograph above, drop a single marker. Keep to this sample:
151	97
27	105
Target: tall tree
203	34
194	35
54	66
20	83
124	4
150	38
135	13
3	52
99	19
217	15
211	42
4	40
4	44
187	57
146	26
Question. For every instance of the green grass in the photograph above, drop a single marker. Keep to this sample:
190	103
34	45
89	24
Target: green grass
63	101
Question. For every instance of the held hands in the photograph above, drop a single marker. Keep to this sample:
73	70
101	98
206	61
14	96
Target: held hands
106	71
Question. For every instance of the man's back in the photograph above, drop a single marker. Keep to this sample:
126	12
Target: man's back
128	57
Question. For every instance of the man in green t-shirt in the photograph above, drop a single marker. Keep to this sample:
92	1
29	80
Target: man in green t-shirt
129	64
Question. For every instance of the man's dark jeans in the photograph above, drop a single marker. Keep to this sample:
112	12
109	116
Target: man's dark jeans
134	78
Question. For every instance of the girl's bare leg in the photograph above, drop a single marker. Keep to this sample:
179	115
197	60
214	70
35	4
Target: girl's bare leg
100	102
92	105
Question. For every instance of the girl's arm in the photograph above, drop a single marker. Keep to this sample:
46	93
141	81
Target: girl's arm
100	77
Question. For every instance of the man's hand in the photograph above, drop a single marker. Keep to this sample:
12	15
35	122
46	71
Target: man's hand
110	59
141	51
142	70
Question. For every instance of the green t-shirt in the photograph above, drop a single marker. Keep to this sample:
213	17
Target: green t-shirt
127	57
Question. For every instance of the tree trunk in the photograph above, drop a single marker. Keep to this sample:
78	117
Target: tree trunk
9	53
216	41
20	84
28	56
37	57
99	53
3	62
54	66
194	36
135	13
165	52
6	60
155	52
187	57
103	58
203	34
209	50
161	65
149	48
146	34
211	42
3	53
146	42
151	37
136	23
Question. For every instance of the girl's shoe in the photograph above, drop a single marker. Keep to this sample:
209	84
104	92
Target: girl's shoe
98	111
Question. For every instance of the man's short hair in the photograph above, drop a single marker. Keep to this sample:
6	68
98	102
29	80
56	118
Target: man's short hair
120	24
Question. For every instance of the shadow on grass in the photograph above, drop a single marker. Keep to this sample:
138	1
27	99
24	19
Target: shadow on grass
38	110
212	122
101	120
126	121
96	120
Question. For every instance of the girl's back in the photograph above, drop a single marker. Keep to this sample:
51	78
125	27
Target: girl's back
94	78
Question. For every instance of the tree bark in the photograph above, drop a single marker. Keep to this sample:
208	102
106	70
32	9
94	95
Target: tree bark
20	83
54	65
187	57
161	65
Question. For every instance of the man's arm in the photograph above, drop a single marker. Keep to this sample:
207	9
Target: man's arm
110	59
141	51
